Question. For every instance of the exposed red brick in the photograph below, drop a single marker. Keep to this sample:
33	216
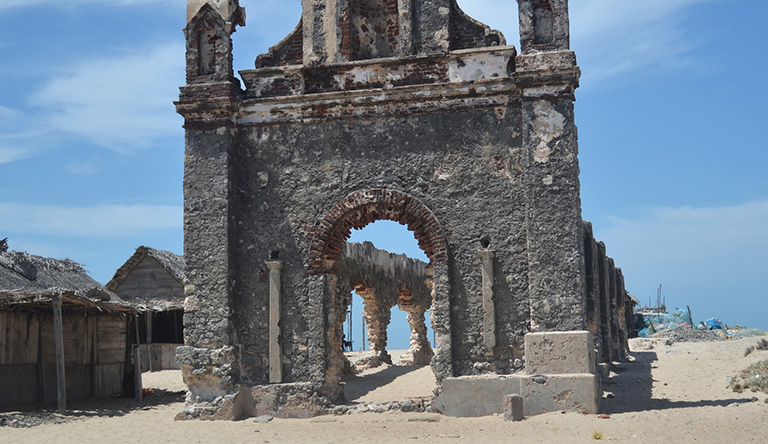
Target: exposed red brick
363	207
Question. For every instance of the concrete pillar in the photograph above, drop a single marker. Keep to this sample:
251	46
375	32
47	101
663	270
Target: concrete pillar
489	311
275	351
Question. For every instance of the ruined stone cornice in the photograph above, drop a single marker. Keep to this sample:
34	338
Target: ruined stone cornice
208	105
378	103
552	73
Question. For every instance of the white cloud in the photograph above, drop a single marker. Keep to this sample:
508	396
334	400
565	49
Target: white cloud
10	4
702	242
83	167
10	154
712	258
105	221
7	113
121	103
611	37
15	147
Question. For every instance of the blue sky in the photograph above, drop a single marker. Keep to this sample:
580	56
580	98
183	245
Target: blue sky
671	114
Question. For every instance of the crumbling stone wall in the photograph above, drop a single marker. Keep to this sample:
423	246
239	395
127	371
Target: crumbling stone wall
436	124
609	305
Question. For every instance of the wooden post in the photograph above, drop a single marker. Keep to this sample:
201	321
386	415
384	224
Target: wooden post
138	388
40	363
275	351
61	379
94	355
148	315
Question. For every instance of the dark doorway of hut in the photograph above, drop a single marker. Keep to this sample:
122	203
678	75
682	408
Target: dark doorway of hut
387	334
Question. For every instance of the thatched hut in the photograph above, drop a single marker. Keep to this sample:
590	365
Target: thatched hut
60	328
152	280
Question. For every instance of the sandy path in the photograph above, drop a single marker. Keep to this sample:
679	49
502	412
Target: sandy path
389	382
670	394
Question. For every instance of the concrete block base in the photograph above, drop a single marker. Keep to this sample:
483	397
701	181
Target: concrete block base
561	375
470	396
574	392
559	352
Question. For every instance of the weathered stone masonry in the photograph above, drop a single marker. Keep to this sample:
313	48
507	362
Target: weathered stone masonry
404	110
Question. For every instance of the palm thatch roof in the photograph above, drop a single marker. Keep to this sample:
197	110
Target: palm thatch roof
155	294
173	264
28	281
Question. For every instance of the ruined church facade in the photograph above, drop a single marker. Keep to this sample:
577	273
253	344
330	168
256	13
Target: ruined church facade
402	110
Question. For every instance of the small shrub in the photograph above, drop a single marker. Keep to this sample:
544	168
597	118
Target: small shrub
597	435
753	378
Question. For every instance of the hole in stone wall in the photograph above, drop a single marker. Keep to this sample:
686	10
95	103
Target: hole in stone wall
274	255
485	242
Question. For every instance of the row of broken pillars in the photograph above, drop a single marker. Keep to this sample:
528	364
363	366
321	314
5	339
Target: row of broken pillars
607	302
377	318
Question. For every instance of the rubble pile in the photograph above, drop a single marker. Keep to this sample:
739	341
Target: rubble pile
689	334
33	419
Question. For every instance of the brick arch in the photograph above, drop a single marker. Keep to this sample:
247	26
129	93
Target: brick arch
363	207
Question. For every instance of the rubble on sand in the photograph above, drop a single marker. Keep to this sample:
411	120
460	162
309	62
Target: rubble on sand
689	334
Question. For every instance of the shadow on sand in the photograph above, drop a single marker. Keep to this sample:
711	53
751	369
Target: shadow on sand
632	386
357	386
30	415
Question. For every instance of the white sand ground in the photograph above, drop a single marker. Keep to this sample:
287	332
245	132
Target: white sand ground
670	394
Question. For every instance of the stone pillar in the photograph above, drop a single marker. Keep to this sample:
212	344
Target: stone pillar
275	350
377	319
208	103
614	313
489	312
593	306
426	32
605	304
321	31
556	277
440	315
622	315
421	352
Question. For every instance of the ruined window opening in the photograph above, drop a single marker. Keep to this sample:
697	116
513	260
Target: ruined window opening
207	51
543	23
374	29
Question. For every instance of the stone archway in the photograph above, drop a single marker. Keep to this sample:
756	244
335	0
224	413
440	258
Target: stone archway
356	211
363	207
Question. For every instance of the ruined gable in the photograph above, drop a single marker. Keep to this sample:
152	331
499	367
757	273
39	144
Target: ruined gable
400	110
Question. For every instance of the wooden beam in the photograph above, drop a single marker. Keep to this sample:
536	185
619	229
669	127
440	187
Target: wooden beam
61	379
